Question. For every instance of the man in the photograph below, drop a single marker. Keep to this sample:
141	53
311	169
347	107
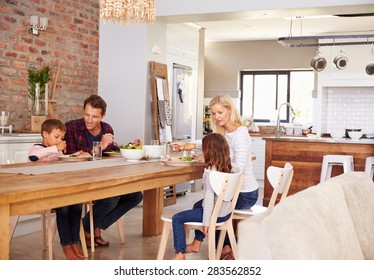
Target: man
80	135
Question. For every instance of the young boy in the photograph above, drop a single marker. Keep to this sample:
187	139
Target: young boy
52	146
68	217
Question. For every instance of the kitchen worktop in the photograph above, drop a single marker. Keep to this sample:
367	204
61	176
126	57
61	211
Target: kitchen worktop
320	139
10	138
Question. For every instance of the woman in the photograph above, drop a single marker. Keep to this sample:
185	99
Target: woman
227	121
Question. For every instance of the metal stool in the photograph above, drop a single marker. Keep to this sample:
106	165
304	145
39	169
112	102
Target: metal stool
369	166
330	160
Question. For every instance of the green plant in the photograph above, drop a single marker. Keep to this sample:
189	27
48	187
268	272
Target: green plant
40	76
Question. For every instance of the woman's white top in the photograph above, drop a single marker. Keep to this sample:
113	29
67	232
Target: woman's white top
241	156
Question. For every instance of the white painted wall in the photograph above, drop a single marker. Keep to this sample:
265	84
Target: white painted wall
122	78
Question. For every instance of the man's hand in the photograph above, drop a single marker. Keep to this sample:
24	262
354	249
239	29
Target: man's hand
106	140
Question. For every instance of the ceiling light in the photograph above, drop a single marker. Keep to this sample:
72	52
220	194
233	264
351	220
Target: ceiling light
128	11
318	63
341	61
370	67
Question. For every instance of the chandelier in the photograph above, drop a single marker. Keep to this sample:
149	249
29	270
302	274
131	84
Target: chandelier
128	11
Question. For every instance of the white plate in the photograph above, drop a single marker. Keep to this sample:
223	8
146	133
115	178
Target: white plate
79	158
113	154
177	162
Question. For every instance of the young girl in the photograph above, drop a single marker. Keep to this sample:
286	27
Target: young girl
68	217
216	153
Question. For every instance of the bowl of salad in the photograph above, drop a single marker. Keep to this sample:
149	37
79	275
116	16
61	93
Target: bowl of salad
132	152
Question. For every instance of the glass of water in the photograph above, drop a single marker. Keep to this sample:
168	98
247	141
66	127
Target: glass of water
96	150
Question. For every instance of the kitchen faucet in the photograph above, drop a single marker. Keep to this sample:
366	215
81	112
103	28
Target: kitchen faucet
278	132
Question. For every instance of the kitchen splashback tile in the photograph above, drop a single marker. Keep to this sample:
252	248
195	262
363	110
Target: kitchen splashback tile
348	107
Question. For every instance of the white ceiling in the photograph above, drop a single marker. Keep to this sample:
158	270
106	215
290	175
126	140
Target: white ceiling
272	24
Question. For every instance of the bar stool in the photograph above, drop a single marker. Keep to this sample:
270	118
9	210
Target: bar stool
330	160
369	166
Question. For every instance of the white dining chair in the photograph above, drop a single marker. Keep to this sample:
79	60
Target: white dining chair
280	179
227	187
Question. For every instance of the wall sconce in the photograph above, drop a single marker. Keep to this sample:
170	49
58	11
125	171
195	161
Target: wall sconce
34	27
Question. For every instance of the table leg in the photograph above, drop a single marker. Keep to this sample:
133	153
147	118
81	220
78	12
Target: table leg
4	231
153	207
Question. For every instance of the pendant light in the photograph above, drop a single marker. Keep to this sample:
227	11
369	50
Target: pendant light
370	67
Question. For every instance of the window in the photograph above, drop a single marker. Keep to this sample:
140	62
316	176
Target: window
264	91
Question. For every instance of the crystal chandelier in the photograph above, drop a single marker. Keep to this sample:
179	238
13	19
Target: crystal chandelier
128	11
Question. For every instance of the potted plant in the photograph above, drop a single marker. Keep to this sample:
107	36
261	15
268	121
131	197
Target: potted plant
37	79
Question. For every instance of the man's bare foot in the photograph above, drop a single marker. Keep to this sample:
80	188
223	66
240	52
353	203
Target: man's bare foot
194	247
77	251
179	256
69	252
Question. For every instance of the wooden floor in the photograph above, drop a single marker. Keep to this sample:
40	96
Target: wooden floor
137	246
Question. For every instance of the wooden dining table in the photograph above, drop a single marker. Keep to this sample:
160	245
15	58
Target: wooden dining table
22	194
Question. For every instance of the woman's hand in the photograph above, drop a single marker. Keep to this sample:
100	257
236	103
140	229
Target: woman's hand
183	146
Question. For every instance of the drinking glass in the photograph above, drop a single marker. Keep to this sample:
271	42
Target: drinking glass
166	150
155	142
96	150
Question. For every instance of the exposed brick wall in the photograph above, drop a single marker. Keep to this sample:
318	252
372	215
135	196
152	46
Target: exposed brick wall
72	39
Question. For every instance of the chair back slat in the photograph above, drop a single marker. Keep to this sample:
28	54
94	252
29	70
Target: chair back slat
228	187
217	180
280	179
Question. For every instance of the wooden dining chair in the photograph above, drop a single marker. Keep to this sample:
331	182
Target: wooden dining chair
280	179
49	230
227	187
89	205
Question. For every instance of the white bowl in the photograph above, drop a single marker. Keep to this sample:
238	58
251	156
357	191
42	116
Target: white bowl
132	155
355	135
152	151
337	134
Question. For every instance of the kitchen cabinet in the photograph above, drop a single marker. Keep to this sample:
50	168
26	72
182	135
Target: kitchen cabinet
3	153
19	152
258	149
16	149
306	157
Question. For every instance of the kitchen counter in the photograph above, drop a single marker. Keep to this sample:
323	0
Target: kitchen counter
305	154
10	138
320	140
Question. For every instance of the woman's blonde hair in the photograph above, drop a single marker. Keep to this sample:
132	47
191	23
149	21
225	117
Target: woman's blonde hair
216	152
226	101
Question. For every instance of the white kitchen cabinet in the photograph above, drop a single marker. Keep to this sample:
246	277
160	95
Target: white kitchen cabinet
18	152
16	149
3	153
258	149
